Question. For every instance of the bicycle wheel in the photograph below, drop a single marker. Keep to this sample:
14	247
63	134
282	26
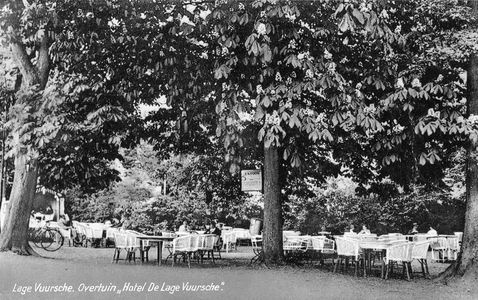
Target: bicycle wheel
52	240
34	236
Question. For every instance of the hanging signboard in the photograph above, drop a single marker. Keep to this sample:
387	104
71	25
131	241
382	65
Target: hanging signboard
251	180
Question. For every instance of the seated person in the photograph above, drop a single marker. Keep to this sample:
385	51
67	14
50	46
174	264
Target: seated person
207	229
48	210
364	230
432	232
184	227
216	230
414	230
64	222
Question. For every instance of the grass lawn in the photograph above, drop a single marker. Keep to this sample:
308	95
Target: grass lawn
87	273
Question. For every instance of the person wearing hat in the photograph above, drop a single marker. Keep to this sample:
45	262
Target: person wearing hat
414	230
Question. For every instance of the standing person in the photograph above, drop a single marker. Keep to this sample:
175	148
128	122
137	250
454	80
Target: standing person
414	230
364	230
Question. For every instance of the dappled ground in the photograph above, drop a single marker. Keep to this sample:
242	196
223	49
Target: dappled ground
83	269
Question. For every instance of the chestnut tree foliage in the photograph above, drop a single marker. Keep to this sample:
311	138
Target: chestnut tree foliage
377	83
376	87
84	65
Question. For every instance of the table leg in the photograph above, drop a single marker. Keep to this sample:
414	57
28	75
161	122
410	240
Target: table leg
369	260
141	253
365	257
160	252
383	263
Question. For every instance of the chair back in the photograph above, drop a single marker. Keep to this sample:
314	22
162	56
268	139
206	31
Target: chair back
121	239
109	232
329	246
194	240
317	243
80	228
181	244
229	237
438	243
88	232
296	243
133	241
399	252
459	235
453	243
96	232
256	241
347	247
206	242
420	250
321	243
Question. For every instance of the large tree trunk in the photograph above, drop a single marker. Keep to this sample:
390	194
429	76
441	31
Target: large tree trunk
272	235
466	266
14	234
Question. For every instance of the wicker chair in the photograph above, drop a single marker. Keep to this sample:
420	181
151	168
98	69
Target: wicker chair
420	253
256	241
185	246
168	245
206	246
121	243
399	253
453	248
321	246
296	243
230	241
94	235
347	249
135	244
439	246
80	239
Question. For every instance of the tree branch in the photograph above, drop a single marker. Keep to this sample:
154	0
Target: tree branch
43	63
23	63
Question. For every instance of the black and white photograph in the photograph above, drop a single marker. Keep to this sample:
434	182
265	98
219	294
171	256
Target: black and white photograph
239	149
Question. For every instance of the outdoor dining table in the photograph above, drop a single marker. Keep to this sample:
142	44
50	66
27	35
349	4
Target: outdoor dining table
368	248
154	239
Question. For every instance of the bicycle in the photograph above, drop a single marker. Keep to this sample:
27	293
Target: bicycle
46	237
